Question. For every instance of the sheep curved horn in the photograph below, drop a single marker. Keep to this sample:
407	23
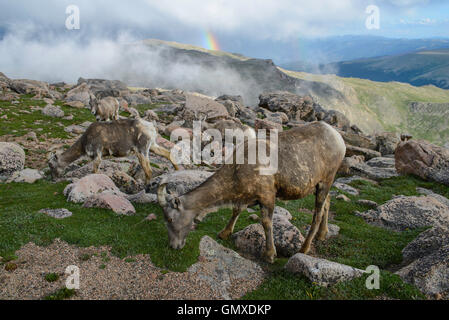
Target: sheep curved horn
162	195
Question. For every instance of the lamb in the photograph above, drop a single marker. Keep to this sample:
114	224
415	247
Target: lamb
308	159
106	109
115	138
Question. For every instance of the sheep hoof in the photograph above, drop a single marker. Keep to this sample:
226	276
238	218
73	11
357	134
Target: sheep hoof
305	249
224	235
269	257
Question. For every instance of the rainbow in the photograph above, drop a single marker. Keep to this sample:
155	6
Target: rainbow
211	42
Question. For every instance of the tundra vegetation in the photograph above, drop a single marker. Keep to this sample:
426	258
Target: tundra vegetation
358	244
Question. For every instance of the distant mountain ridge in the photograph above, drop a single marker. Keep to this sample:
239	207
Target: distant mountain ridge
373	106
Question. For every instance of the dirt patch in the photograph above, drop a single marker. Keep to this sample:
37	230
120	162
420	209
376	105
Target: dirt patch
102	276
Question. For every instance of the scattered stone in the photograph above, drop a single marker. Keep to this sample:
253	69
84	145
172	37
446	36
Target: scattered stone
367	203
343	197
254	217
26	176
12	159
423	159
57	213
346	188
333	230
375	173
53	111
323	272
151	217
75	104
282	212
381	162
223	269
76	129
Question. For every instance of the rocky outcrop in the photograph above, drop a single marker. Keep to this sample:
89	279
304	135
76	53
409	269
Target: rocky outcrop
358	151
12	159
80	93
423	159
323	272
223	269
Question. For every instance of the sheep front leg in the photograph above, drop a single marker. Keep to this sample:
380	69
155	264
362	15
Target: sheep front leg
267	223
229	229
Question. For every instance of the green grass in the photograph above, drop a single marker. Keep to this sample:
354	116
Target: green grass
61	294
51	277
358	244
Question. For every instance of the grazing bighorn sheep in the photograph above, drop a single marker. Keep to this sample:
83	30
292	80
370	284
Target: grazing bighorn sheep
115	138
308	159
106	109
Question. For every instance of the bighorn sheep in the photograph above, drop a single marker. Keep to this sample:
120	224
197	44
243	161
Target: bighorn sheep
308	159
106	109
115	138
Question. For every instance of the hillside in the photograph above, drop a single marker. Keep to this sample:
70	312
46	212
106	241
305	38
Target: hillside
373	106
417	68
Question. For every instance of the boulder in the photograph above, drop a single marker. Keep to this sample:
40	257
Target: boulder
429	273
53	111
197	107
111	201
12	159
25	86
387	142
375	173
357	151
75	104
75	129
80	93
260	124
222	269
179	182
88	186
358	140
287	238
106	167
126	183
323	272
426	243
381	162
403	213
423	159
135	99
142	198
26	176
348	162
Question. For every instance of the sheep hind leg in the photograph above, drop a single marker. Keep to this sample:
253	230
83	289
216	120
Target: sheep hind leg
145	163
323	230
164	153
97	163
320	199
267	223
229	229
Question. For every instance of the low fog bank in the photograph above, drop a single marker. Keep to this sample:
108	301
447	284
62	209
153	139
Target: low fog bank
122	59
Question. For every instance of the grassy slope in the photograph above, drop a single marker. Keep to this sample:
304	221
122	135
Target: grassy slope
358	244
387	104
